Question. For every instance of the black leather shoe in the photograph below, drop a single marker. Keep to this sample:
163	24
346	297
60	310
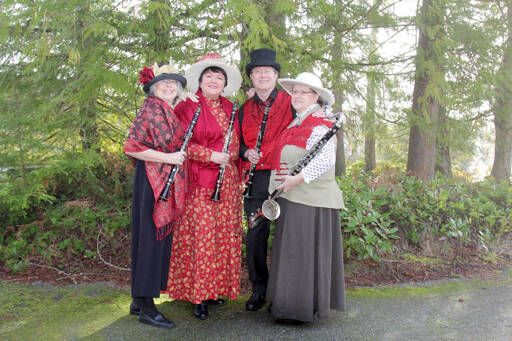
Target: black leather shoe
157	321
256	302
289	321
218	301
201	310
134	308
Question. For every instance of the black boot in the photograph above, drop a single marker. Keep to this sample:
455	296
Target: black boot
219	302
150	315
135	305
255	302
201	310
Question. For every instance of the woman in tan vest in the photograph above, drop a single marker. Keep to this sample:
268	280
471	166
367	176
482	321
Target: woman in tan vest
306	271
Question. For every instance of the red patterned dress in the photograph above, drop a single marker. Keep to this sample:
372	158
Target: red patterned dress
206	253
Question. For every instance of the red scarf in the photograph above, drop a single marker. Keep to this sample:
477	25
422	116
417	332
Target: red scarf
279	116
157	127
296	135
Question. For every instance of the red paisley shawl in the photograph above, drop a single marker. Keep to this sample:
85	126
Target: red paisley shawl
157	127
296	135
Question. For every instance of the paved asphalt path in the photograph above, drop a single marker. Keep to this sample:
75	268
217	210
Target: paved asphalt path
447	310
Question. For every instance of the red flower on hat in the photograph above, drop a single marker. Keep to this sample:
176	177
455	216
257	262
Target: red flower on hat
146	75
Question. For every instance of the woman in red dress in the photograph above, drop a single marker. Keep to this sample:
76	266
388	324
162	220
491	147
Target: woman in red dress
205	261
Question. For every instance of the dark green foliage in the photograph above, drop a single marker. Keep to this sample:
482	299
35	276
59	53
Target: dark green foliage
387	205
59	213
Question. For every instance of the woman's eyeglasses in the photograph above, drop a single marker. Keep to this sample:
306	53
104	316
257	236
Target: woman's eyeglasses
300	92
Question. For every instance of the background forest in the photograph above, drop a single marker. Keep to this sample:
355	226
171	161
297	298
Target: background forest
425	87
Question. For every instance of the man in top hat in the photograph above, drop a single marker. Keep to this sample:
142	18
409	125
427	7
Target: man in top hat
263	70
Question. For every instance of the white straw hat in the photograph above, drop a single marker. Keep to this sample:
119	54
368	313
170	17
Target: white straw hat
310	80
213	59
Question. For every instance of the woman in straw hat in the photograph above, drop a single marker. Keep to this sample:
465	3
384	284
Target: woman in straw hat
154	144
205	262
307	246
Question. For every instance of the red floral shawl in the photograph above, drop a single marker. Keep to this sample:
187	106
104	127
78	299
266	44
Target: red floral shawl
157	127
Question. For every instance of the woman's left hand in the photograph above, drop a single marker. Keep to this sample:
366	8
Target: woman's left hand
290	182
220	158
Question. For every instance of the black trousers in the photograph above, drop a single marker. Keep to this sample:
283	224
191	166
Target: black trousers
256	243
149	258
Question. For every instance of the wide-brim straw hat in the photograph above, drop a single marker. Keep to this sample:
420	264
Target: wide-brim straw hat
160	72
213	59
310	80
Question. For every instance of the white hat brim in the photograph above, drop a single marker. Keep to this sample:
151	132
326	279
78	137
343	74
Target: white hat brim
289	83
234	76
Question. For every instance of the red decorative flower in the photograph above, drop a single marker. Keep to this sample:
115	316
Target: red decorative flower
146	75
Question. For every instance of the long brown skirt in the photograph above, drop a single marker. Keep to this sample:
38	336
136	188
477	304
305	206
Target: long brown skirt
306	269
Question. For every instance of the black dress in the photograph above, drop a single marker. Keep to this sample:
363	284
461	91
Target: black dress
149	258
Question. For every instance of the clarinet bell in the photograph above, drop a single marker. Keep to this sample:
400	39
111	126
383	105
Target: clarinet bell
247	192
216	195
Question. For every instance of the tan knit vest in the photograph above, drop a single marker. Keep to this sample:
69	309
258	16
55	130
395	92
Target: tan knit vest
321	192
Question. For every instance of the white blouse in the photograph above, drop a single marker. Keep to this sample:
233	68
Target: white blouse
325	159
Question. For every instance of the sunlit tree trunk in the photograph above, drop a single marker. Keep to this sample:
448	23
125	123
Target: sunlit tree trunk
340	168
369	118
369	126
425	107
443	158
502	110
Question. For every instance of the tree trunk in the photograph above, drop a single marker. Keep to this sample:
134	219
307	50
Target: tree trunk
89	127
369	118
159	37
369	126
443	158
425	107
340	167
502	110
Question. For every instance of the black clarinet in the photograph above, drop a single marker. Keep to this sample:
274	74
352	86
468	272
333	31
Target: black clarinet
176	168
261	133
225	149
270	209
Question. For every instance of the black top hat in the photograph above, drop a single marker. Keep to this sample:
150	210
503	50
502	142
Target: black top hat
262	57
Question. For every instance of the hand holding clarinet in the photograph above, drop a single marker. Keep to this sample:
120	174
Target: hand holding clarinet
223	158
254	155
270	209
181	155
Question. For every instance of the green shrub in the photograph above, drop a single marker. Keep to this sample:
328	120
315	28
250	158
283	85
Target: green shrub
365	222
57	212
387	204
